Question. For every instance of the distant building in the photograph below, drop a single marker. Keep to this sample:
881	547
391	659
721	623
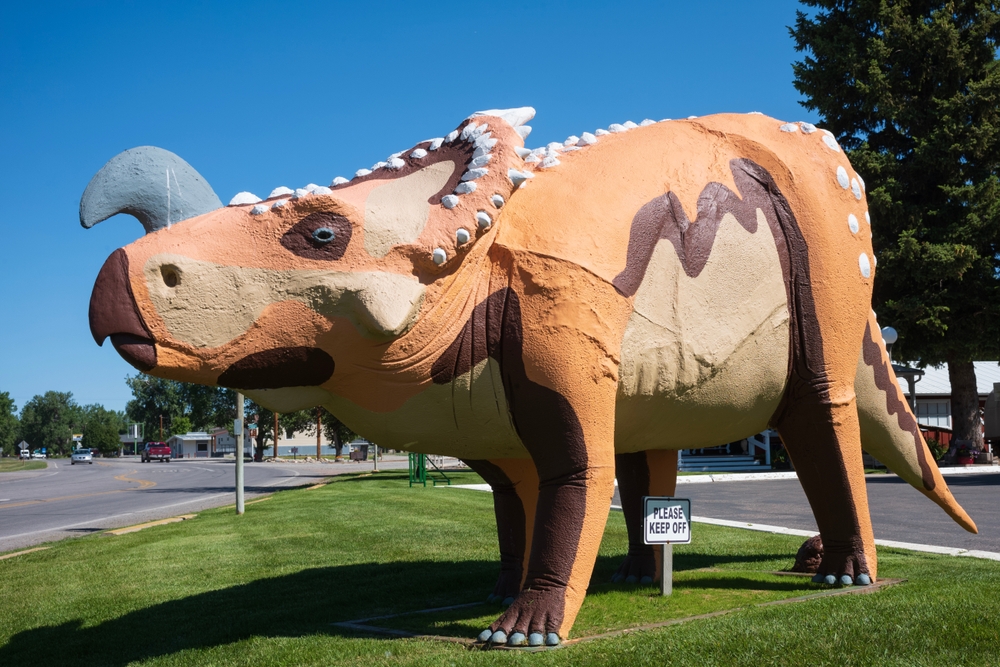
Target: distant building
196	444
934	392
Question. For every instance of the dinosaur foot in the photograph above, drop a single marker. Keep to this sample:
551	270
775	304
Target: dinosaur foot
841	563
639	567
507	587
532	620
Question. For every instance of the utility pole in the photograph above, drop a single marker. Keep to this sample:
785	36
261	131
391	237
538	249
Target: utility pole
275	435
319	432
238	432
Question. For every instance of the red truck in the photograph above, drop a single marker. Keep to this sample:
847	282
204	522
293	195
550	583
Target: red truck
155	450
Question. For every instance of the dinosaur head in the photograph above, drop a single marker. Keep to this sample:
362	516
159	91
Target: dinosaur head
268	294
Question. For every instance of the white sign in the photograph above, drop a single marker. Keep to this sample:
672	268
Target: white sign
666	520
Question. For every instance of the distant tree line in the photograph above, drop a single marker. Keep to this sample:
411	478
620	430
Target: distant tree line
51	419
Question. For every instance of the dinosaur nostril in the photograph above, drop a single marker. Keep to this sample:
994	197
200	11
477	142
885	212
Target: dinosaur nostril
171	276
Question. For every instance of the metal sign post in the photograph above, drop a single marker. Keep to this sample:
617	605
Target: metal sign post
238	432
666	521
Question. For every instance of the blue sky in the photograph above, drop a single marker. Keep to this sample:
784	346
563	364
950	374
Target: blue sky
260	94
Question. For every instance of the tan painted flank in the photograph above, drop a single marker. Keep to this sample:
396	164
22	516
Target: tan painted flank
467	418
396	212
705	358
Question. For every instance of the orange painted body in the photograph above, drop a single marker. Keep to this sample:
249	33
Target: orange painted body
572	323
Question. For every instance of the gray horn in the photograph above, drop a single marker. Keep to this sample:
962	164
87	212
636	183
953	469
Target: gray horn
152	184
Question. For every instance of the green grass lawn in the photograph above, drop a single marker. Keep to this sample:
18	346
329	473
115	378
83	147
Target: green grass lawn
17	465
263	589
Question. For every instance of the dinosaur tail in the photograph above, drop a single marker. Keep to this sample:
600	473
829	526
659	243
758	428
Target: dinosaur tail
889	430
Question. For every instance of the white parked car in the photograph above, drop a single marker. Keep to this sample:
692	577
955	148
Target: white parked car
37	455
82	456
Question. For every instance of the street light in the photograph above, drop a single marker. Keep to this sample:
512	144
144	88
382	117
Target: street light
911	375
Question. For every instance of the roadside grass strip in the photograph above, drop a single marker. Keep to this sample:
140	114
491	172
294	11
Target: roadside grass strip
149	524
18	465
267	587
21	553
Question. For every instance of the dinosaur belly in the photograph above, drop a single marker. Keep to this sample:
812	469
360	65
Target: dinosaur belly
705	358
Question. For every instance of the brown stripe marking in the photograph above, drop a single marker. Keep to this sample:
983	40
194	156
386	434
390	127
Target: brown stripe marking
510	516
872	355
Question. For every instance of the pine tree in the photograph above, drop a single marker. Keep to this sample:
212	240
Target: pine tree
912	92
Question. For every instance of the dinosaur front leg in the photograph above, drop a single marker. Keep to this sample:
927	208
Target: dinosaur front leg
515	494
649	473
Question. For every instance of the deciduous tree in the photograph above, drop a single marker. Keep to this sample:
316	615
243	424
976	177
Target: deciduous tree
49	420
8	424
911	89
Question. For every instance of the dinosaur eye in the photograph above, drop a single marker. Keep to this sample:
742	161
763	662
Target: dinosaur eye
320	235
324	235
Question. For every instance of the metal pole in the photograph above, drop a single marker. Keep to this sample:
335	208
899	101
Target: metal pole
319	432
667	570
275	435
376	456
238	427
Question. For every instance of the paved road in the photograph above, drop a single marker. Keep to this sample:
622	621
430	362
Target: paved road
65	500
899	512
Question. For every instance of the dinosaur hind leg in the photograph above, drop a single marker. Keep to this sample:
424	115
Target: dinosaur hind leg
649	473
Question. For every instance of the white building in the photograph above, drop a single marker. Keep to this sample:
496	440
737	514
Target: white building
194	445
934	392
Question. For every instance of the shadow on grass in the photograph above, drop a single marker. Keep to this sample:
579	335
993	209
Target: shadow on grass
294	605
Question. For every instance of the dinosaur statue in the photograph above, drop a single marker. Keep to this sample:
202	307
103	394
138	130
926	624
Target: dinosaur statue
538	314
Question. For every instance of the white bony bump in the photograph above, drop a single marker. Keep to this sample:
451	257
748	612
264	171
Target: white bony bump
394	155
322	190
279	203
497	201
462	236
789	127
418	153
396	163
855	189
532	158
852	223
300	193
842	179
435	143
550	161
515	117
830	142
378	165
587	139
473	174
465	188
483	219
451	136
258	209
362	172
553	147
467	131
480	161
868	218
310	188
600	132
864	265
485	141
874	260
279	191
439	256
571	140
243	198
861	181
570	149
617	127
522	152
449	201
523	131
629	124
691	117
647	122
808	128
518	177
340	180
